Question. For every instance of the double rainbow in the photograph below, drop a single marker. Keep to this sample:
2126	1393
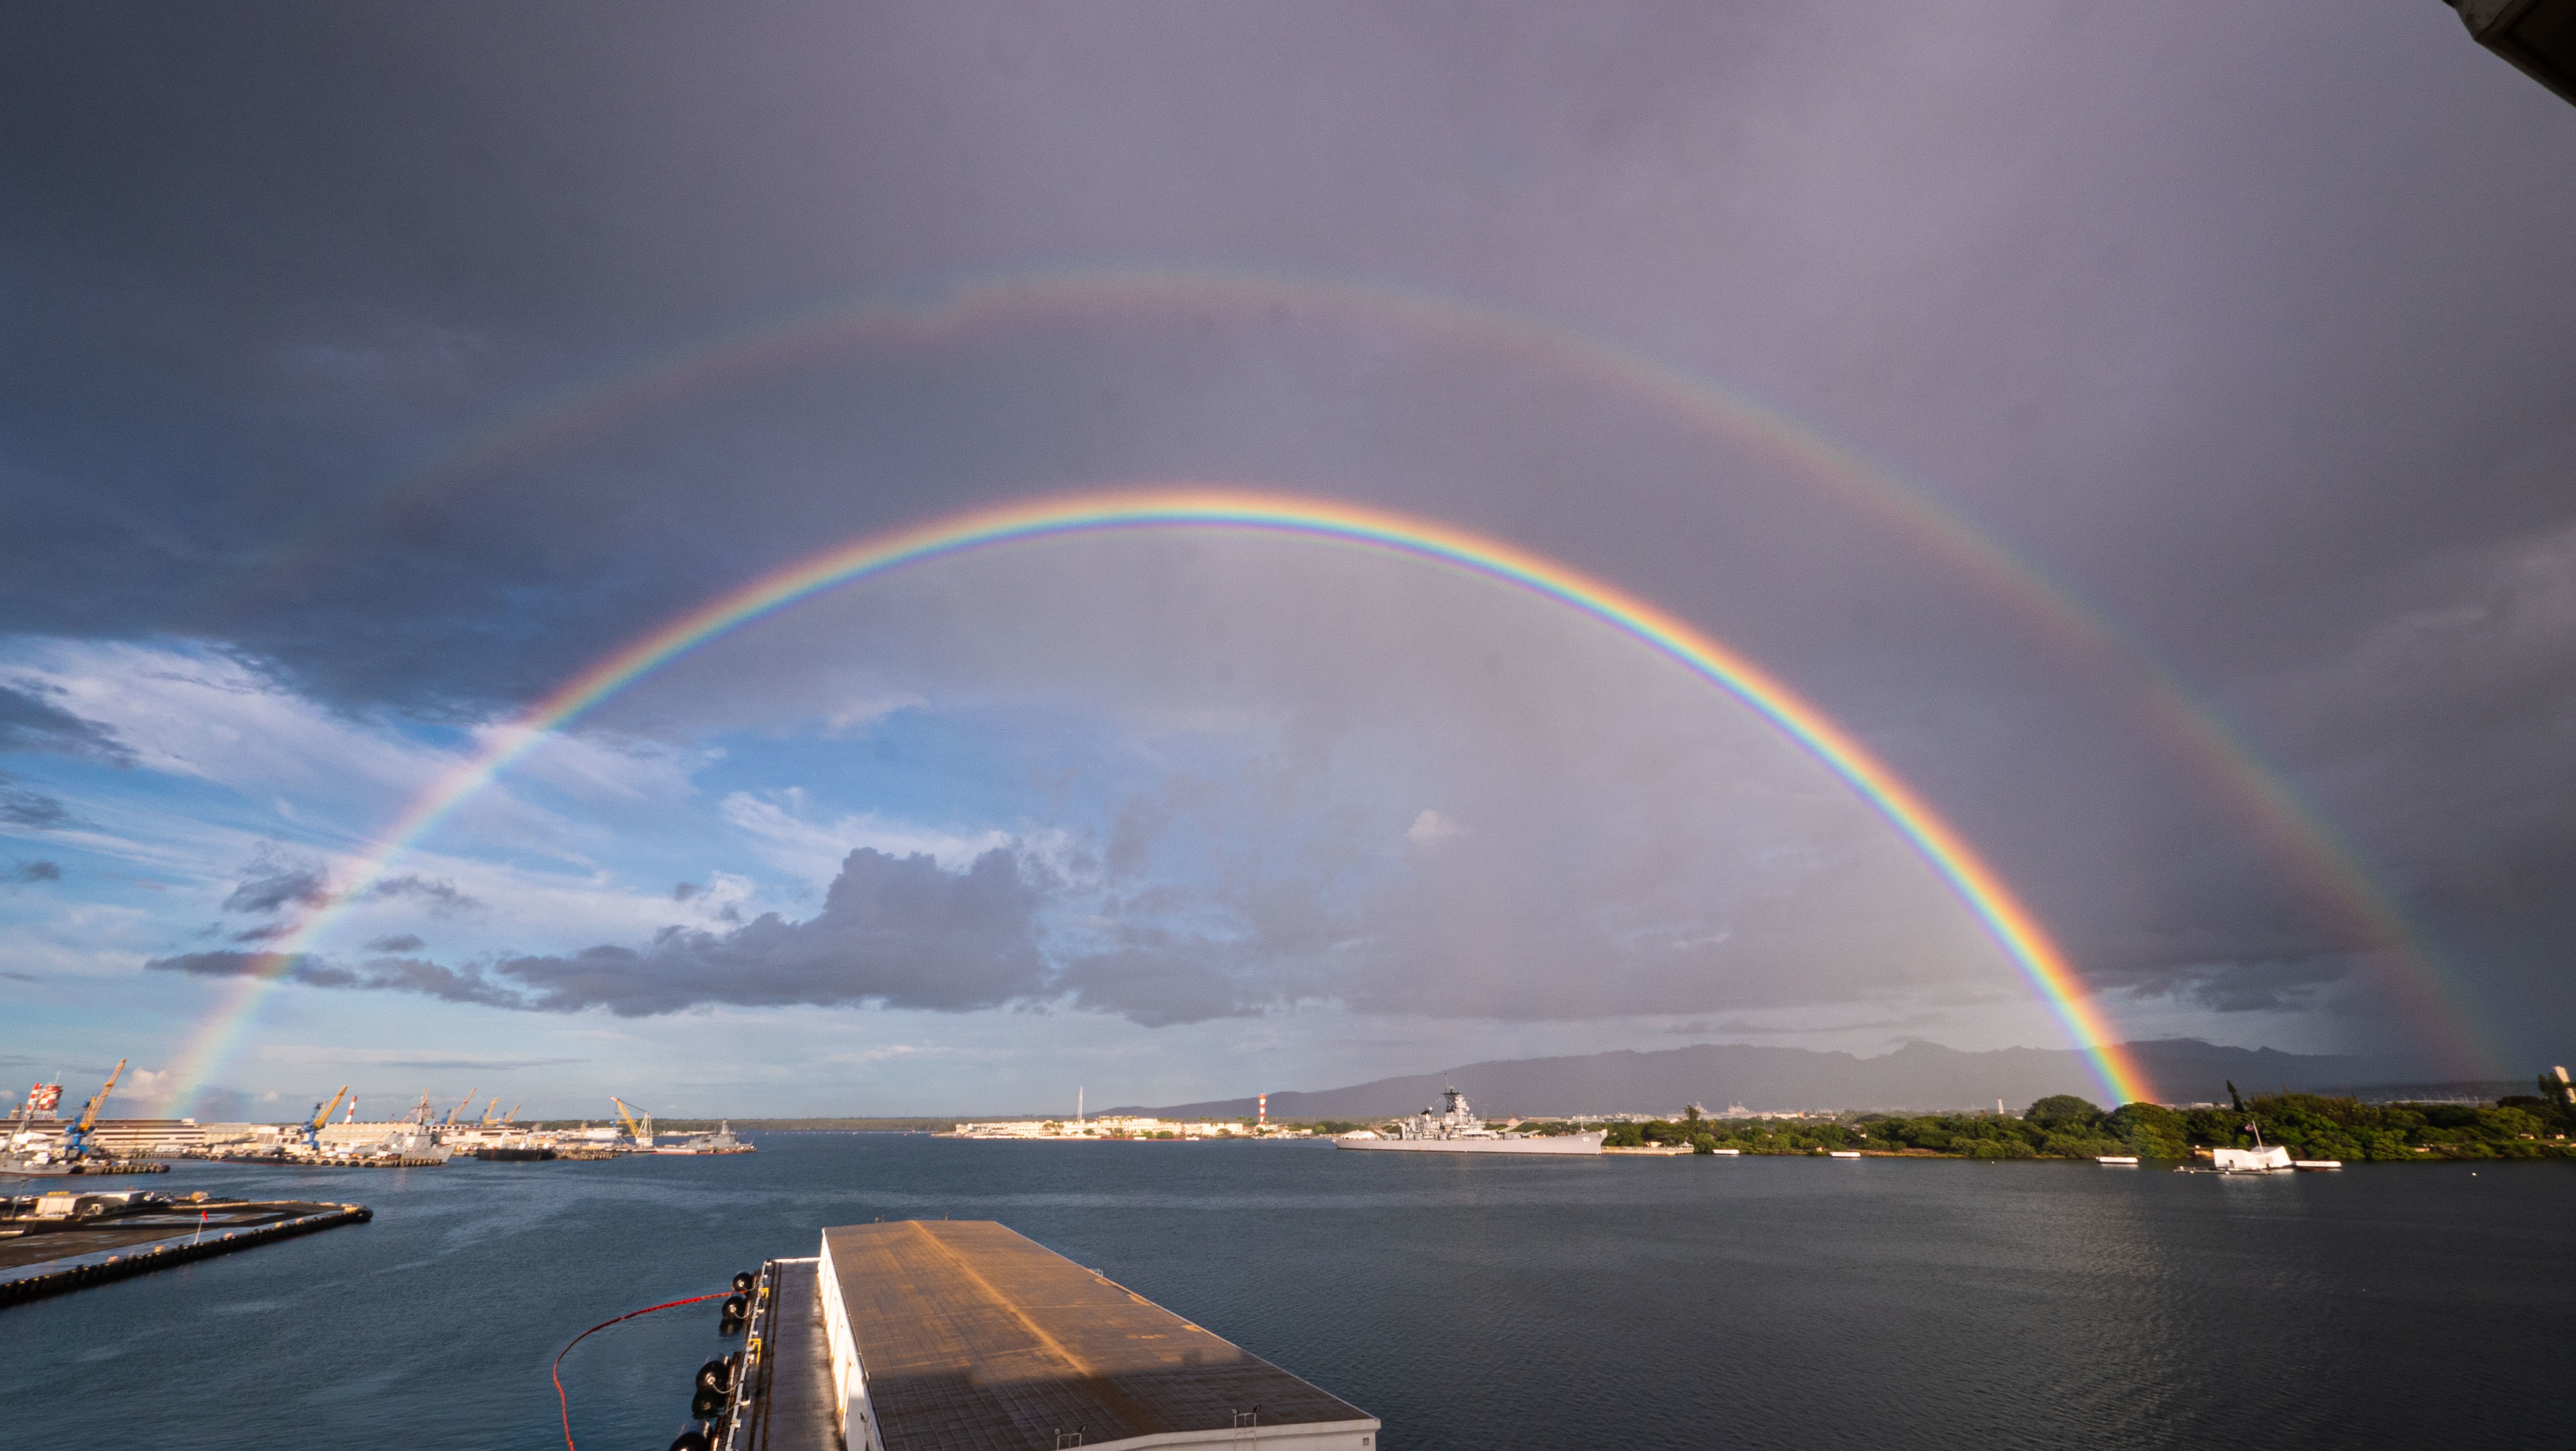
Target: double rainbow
2295	834
2011	925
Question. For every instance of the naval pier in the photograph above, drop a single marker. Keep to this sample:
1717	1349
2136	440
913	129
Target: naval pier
963	1335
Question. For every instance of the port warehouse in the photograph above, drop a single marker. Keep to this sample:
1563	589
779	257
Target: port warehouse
1122	1126
129	1136
964	1333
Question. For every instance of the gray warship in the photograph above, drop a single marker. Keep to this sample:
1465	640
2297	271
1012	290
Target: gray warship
1456	1130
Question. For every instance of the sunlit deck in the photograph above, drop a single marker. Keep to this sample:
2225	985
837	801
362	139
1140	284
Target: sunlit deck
965	1336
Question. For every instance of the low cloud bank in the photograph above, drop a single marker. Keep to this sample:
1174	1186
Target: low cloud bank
28	722
899	931
277	884
25	806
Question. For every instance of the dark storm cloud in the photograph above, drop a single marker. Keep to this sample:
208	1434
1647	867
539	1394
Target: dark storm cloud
441	898
29	807
1159	977
280	887
2267	358
28	722
36	871
393	974
226	964
900	931
279	881
2271	988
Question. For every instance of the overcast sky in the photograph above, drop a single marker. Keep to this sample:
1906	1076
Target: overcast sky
2250	330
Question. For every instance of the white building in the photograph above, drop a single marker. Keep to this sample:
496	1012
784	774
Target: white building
1108	1126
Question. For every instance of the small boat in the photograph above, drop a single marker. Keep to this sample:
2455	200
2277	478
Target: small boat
1727	1153
2314	1165
2117	1161
1846	1153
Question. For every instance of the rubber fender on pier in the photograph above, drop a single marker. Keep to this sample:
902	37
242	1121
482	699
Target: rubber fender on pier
743	1282
715	1375
706	1403
695	1436
735	1306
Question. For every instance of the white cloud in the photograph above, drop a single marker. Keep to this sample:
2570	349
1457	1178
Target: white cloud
1432	828
191	712
595	770
149	1084
783	826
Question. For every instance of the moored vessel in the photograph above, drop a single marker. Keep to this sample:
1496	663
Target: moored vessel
1455	1129
722	1141
45	1152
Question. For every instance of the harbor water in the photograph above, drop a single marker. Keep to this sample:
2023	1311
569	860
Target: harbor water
1469	1301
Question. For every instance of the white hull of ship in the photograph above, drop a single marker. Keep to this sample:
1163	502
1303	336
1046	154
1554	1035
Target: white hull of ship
1557	1144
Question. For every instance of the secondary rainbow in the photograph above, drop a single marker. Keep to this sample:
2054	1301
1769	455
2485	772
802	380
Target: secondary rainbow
2012	925
2323	866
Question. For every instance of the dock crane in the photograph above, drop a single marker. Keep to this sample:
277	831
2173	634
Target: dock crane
626	1116
449	1122
76	1138
512	1116
322	1115
490	1108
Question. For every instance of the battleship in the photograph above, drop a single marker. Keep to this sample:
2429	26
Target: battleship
1456	1130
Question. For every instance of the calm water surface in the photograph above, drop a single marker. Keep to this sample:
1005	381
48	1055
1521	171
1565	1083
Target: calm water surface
1470	1302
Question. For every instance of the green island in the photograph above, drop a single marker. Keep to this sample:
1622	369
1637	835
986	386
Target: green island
2310	1126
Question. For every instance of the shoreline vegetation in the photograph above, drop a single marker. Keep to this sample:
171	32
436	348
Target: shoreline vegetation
2063	1126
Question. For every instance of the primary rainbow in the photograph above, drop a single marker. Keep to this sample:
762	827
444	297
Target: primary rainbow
2321	864
1191	506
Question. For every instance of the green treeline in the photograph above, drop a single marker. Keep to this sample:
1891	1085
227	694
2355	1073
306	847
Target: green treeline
2309	1125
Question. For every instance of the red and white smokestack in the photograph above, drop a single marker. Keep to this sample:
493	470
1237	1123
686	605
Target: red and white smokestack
1263	1108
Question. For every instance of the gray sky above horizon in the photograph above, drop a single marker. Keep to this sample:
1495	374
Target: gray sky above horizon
2251	329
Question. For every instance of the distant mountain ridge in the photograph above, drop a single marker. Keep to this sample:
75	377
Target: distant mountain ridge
1920	1076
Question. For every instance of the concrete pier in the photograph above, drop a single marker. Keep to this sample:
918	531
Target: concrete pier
963	1334
785	1401
44	1253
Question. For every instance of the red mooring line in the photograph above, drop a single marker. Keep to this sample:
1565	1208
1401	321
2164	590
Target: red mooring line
557	1373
